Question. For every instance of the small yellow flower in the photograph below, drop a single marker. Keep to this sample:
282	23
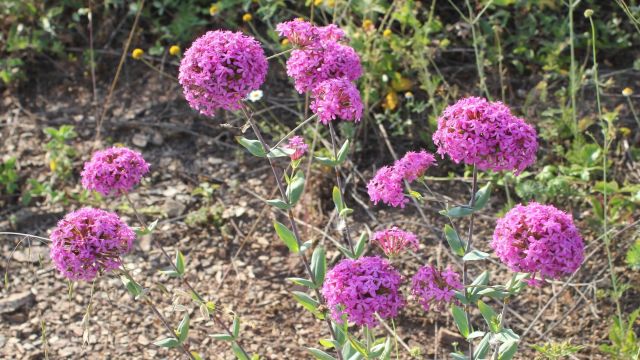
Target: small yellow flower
284	42
213	9
627	91
299	19
137	53
386	33
331	3
390	101
317	2
625	131
588	13
401	83
367	25
174	50
247	17
408	95
53	166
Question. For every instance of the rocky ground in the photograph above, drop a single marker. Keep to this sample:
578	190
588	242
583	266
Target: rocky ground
233	255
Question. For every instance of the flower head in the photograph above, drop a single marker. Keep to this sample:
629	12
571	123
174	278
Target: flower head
336	98
247	17
255	95
299	147
220	69
627	91
393	241
414	164
298	32
213	9
113	171
137	53
331	32
434	288
386	186
361	288
88	242
310	67
476	131
174	50
538	239
387	33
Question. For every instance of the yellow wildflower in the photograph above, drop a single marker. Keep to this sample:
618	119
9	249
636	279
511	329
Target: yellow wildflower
390	101
247	17
367	25
386	33
400	83
137	53
317	2
213	9
284	42
174	50
53	166
627	91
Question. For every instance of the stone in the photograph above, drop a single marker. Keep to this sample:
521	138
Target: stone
16	301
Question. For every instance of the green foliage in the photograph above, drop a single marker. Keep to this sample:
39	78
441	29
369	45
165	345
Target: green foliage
624	341
633	256
8	176
555	351
59	154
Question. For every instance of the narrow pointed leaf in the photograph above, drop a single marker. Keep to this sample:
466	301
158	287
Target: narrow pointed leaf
319	354
460	318
482	196
454	240
183	328
168	343
286	236
319	265
179	262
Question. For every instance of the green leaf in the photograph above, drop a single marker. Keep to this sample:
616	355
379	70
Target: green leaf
196	356
306	301
507	350
475	255
279	204
183	328
482	197
475	334
303	282
490	316
319	354
342	153
337	199
254	146
360	245
319	265
345	212
328	161
295	188
180	262
146	230
286	236
328	343
360	347
222	337
457	356
280	152
482	348
454	240
236	326
169	343
458	211
133	287
460	318
237	351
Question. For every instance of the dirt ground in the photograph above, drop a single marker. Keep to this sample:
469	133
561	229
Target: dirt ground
234	256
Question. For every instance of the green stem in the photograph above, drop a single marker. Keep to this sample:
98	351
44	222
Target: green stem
279	54
572	70
346	232
465	277
605	133
159	315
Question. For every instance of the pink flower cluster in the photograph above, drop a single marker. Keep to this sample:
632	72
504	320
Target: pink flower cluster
336	98
299	147
394	241
113	171
387	184
88	242
310	67
303	34
434	288
476	131
360	288
538	239
220	69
